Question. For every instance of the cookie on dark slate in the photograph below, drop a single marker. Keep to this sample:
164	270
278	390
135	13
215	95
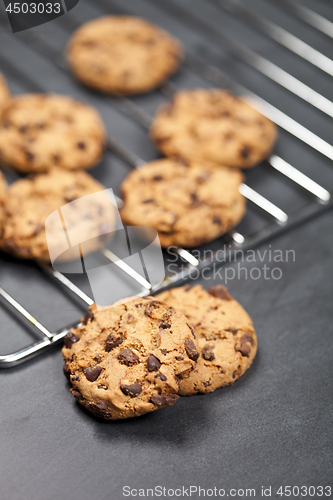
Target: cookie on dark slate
188	204
39	132
33	199
213	125
128	359
123	55
224	331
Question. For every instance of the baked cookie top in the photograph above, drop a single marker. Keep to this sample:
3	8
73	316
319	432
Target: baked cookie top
30	202
3	200
123	55
38	132
215	126
127	360
187	203
225	335
4	93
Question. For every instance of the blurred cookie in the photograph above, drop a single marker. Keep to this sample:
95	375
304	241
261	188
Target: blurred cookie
3	200
213	125
123	55
38	132
127	360
4	93
224	332
33	199
187	204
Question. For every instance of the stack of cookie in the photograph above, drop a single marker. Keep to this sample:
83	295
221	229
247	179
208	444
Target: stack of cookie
209	131
140	355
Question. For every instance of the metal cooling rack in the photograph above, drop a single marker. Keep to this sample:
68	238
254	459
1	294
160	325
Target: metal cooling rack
210	74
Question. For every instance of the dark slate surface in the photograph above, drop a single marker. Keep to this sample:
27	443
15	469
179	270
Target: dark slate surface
273	427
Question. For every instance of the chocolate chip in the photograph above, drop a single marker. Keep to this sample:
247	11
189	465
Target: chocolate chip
128	357
244	349
29	156
220	292
161	376
164	351
92	373
206	384
132	390
70	339
88	316
232	330
165	325
56	159
153	364
187	288
195	200
191	349
151	307
246	151
207	353
164	399
81	145
179	358
77	394
112	341
192	331
217	220
23	129
158	178
247	337
150	200
100	409
234	374
66	371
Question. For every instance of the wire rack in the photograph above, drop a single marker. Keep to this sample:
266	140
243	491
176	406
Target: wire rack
205	72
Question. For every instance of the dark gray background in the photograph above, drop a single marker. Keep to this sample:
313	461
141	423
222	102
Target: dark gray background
274	426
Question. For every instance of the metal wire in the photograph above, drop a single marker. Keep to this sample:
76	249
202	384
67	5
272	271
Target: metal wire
130	108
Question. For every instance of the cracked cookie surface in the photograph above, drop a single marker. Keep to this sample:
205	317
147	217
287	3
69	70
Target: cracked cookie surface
225	334
187	204
123	55
33	199
127	360
41	131
214	126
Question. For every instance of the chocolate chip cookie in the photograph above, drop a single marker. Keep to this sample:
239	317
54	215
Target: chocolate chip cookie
127	360
123	55
4	93
187	203
215	126
30	202
38	132
225	334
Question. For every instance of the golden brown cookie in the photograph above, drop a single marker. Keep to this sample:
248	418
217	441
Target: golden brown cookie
3	200
224	332
123	55
127	360
213	125
30	202
188	204
38	132
4	93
